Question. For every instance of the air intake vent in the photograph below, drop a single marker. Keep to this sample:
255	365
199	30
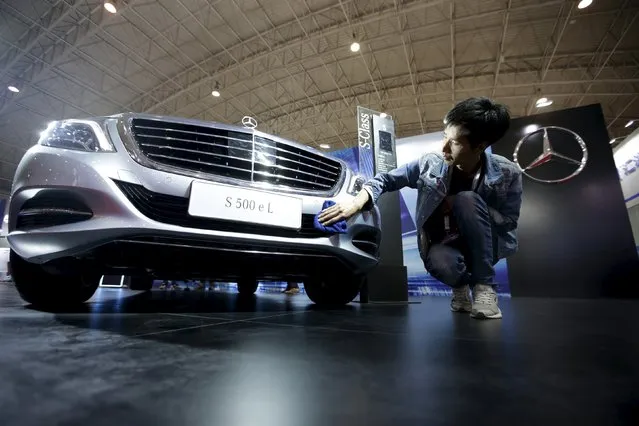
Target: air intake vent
52	207
175	211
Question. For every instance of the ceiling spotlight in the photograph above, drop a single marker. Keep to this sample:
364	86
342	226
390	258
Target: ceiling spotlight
216	91
14	89
110	6
543	102
630	123
325	146
355	47
584	4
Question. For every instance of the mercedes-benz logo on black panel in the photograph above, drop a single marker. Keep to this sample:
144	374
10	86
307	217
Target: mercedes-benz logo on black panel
573	155
249	122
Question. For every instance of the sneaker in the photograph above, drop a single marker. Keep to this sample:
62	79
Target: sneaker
485	303
461	300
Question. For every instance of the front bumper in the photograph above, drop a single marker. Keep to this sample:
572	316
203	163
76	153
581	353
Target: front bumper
86	202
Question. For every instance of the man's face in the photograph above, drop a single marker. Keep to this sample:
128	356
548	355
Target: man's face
457	149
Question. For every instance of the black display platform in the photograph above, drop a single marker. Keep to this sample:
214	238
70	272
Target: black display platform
388	282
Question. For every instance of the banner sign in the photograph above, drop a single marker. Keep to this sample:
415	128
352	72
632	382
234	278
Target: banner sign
376	142
366	156
384	144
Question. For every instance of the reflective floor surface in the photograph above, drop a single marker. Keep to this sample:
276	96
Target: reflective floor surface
212	359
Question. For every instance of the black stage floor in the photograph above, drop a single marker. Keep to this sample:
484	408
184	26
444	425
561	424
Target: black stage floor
210	359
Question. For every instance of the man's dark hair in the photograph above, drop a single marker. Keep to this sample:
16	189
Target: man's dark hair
485	120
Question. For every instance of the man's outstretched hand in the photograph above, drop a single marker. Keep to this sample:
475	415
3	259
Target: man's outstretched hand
343	210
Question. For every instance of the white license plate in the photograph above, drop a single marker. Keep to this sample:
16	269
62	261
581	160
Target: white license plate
245	205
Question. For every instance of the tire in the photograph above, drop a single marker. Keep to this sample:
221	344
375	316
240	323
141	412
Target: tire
333	292
43	289
247	286
141	283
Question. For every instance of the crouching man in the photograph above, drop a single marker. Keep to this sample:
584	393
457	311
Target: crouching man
467	205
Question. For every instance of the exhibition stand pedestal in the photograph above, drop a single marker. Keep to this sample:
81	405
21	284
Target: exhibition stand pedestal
388	282
385	283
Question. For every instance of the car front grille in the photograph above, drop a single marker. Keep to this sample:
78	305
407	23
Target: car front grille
175	211
195	149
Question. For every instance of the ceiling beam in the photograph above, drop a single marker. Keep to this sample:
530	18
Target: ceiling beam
288	45
51	18
621	112
66	76
545	65
603	65
281	62
308	115
409	55
428	82
57	52
500	47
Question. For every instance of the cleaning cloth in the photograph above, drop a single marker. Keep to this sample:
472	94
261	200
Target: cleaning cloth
336	228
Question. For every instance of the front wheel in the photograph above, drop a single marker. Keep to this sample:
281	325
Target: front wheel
141	283
247	286
335	292
43	289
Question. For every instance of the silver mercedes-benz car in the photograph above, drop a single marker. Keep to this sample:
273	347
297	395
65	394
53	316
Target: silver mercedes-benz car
162	197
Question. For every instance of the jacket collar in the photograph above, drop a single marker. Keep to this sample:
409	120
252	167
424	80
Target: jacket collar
493	170
493	173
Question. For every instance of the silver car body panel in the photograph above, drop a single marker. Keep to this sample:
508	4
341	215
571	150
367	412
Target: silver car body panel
92	176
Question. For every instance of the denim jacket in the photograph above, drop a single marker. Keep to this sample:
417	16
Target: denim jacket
500	188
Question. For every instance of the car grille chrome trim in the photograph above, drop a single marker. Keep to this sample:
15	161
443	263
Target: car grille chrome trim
231	157
336	168
237	155
166	129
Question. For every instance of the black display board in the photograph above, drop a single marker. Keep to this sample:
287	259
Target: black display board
575	238
388	282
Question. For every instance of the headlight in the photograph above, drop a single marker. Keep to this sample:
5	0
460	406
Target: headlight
77	135
356	184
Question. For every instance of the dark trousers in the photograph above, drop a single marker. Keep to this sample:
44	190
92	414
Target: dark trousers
469	259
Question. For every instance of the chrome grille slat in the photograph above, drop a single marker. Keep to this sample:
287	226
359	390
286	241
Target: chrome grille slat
194	151
294	153
336	173
194	133
295	171
292	179
203	151
165	129
198	162
230	157
171	138
238	169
